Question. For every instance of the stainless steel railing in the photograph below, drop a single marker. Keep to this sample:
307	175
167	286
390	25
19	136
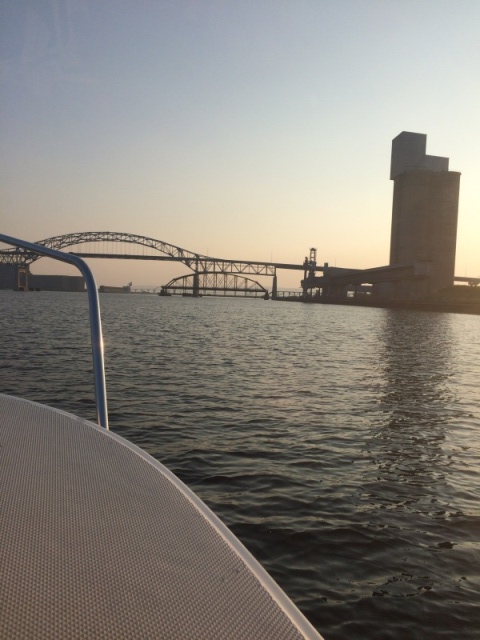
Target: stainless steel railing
95	318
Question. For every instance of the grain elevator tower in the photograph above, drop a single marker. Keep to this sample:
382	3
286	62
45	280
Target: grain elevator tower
424	216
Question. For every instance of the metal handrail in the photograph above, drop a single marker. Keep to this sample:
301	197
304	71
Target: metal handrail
95	318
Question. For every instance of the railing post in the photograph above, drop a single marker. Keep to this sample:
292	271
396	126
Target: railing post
95	318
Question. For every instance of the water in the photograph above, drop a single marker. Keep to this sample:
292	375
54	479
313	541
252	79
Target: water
341	445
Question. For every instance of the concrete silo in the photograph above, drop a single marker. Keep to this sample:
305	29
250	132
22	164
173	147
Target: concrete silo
424	216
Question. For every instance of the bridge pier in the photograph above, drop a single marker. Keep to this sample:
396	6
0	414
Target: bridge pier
274	287
196	285
22	278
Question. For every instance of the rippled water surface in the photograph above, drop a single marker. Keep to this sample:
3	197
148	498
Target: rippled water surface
340	444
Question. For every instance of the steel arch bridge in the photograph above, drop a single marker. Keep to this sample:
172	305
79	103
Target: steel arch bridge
16	256
152	250
198	284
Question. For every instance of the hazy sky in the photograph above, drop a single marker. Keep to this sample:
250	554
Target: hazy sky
245	129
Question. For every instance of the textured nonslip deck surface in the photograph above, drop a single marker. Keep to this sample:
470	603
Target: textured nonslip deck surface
98	540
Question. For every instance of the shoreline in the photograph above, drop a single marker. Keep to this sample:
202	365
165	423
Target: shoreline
472	308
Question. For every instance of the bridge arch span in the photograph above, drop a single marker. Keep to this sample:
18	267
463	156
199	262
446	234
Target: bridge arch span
68	240
208	283
152	250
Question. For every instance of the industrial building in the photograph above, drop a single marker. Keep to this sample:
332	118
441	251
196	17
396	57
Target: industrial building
19	278
423	235
424	216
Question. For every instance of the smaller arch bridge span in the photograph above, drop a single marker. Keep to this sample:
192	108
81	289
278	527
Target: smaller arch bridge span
198	284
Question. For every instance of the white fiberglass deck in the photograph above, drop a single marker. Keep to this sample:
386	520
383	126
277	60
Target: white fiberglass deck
99	540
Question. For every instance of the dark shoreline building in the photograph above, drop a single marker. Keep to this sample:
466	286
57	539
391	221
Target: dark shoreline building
423	235
424	216
19	278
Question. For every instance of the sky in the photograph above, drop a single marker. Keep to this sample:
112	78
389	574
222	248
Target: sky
240	129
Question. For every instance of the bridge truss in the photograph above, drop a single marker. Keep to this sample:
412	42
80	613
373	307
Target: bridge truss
150	249
199	284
